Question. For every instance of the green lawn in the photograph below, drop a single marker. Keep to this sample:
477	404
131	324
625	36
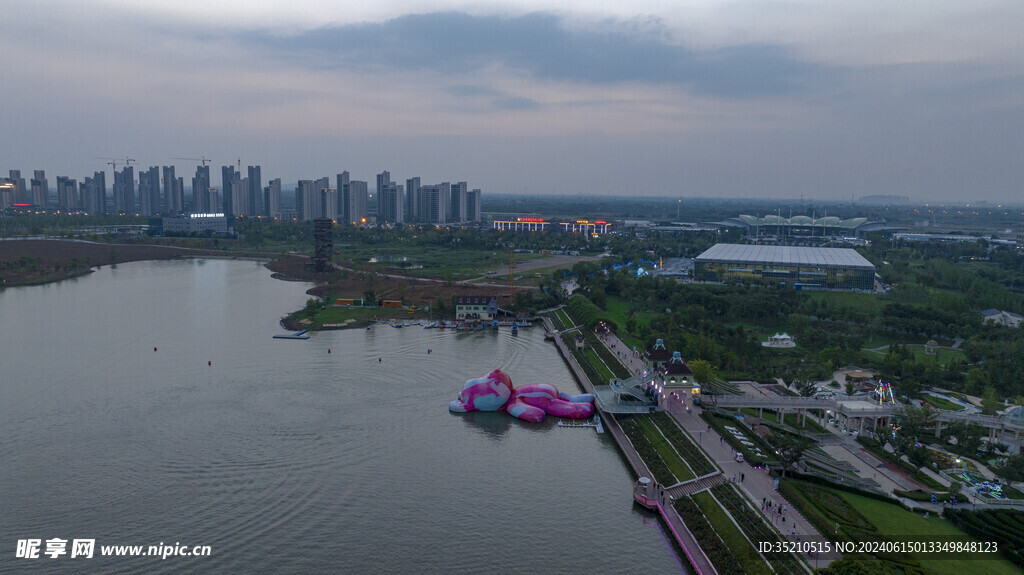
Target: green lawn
942	355
862	518
898	524
568	323
730	534
618	312
940	402
595	360
668	453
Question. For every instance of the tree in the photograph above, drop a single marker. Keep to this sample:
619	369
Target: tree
968	436
989	401
703	371
369	296
1013	469
914	419
806	388
789	448
850	388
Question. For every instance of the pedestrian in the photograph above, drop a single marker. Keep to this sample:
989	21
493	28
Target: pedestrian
783	518
742	477
763	501
734	478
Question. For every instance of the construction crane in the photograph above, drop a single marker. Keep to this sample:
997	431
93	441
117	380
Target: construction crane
202	159
115	161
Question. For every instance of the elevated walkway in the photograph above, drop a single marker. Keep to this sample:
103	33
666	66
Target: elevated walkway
626	395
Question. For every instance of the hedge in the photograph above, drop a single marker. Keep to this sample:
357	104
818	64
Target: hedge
585	313
1004	526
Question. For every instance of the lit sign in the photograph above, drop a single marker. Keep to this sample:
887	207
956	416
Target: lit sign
206	215
22	205
582	221
601	222
529	219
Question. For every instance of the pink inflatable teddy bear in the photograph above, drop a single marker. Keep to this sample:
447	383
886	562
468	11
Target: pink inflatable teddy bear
494	392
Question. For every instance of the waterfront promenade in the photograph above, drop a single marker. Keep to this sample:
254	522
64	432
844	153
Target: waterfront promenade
756	483
698	560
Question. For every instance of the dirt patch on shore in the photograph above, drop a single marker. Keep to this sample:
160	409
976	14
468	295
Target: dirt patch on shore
354	284
27	262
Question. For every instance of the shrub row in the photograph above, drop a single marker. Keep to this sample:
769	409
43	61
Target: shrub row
1002	525
662	474
693	455
720	555
755	528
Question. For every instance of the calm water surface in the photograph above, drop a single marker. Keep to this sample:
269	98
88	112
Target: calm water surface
281	456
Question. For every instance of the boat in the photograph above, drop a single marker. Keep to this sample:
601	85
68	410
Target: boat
515	329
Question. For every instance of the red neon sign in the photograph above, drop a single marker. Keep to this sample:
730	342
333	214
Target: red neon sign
529	219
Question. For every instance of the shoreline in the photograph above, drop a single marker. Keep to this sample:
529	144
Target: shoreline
40	261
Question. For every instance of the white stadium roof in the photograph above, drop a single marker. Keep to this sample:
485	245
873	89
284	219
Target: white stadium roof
786	255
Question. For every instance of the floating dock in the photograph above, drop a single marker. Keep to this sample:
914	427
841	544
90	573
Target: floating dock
297	335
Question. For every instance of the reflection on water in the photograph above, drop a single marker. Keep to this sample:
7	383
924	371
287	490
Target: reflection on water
281	456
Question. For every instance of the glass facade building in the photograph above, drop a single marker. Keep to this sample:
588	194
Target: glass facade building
797	267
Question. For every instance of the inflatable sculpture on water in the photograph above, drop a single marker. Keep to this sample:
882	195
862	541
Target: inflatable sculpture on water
494	392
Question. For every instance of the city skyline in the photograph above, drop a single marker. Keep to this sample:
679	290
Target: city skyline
688	99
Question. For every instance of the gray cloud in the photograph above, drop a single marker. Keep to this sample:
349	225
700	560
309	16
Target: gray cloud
538	44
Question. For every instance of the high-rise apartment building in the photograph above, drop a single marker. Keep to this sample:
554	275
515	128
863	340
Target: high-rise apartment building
309	199
412	199
149	191
390	200
67	194
435	201
457	211
174	194
94	194
473	205
20	189
124	190
273	198
201	191
359	197
239	201
228	174
40	190
255	198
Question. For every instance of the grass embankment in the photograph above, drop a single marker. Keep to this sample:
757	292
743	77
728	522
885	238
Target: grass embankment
733	538
846	516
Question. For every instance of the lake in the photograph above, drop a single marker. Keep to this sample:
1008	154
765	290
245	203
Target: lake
283	457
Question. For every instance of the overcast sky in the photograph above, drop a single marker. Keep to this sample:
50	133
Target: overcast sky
828	100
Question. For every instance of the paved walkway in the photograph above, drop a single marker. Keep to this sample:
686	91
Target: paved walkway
756	483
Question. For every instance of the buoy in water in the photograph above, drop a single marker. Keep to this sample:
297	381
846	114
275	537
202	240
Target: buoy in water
328	350
429	350
154	349
209	363
378	360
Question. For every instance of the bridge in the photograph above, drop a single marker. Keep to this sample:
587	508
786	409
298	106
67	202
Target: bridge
860	411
